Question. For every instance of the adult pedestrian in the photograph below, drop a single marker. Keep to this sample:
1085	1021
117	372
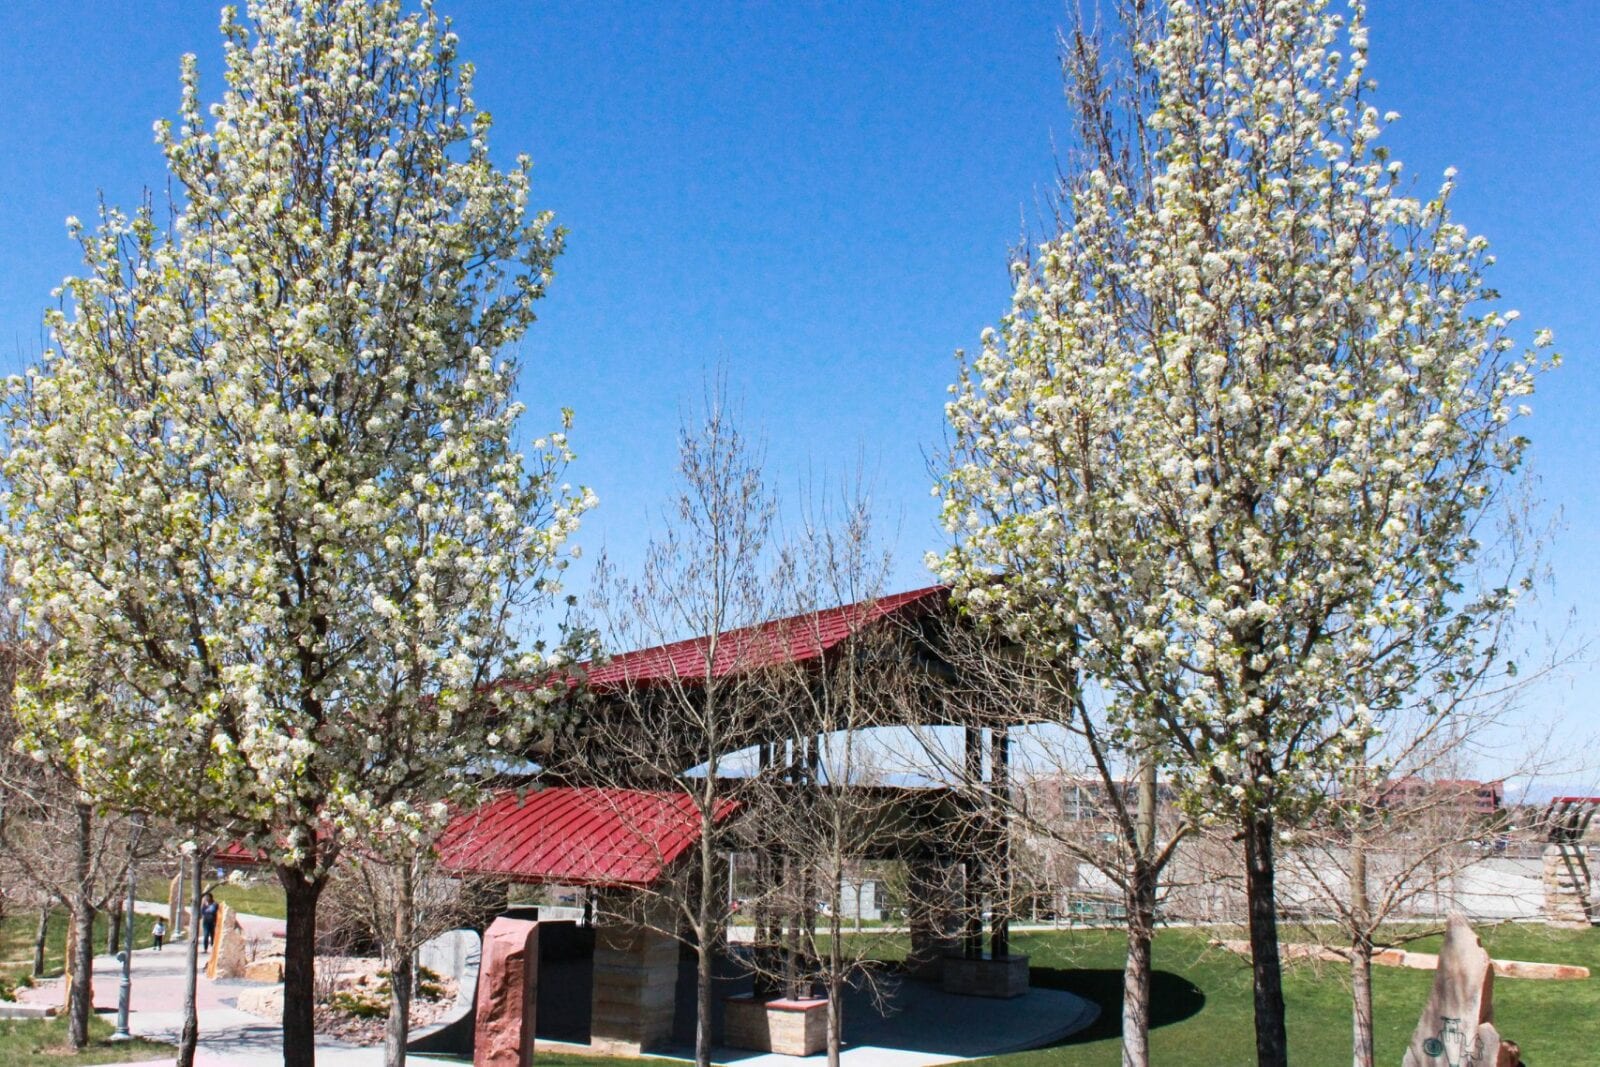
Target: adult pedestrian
208	921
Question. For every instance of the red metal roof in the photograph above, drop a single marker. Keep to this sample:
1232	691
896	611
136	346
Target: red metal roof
238	854
575	835
797	639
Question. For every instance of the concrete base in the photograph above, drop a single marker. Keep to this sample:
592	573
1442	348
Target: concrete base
984	977
787	1027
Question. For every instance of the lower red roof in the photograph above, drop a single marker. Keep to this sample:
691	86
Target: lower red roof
576	835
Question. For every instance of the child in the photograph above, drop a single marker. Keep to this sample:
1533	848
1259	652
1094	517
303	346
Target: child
159	932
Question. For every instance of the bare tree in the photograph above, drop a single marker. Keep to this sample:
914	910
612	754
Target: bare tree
59	838
668	721
75	855
396	893
1084	792
1403	829
821	801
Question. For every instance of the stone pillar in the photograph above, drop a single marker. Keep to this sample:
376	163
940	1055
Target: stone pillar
635	980
1568	885
176	914
508	985
930	917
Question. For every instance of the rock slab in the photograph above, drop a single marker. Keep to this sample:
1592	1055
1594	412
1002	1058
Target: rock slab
229	954
1457	1027
508	985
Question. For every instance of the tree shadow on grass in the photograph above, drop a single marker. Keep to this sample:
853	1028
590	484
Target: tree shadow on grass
1173	998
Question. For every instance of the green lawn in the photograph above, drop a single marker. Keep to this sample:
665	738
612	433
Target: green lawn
41	1041
259	898
1202	1006
262	897
16	942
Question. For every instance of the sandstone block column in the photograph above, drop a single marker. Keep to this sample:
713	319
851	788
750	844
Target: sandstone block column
635	981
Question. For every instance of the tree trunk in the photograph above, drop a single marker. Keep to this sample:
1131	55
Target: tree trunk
81	1000
80	1003
39	939
1272	1042
114	928
703	950
836	972
1361	999
835	1020
1141	905
1361	932
1360	953
400	971
191	969
299	965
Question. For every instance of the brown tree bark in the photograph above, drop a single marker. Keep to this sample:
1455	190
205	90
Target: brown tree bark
1141	906
114	927
1360	956
80	1002
401	976
1272	1041
301	893
704	942
190	1037
1361	1000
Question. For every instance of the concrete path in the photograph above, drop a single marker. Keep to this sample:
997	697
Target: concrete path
228	1036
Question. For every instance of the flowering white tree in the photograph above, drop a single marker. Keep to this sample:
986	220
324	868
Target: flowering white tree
1230	452
266	480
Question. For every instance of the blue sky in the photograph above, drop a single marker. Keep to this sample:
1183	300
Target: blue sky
820	197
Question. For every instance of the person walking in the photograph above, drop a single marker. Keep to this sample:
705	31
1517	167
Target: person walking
158	933
208	921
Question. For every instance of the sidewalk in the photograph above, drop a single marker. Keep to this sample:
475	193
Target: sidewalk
228	1036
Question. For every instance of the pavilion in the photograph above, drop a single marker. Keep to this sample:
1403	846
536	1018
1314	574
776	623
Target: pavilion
622	840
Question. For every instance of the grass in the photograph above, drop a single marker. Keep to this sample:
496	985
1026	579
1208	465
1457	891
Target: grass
1202	1000
257	898
41	1041
17	931
262	897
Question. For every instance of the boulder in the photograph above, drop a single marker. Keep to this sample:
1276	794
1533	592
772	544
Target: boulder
269	969
1457	1026
265	1001
507	995
229	953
